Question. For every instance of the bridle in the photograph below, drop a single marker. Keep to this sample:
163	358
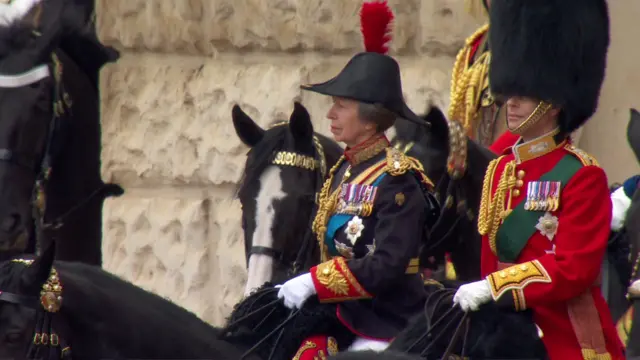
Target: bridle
442	230
62	109
455	316
317	164
51	332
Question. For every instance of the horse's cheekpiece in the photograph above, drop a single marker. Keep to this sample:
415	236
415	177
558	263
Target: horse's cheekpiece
357	199
543	196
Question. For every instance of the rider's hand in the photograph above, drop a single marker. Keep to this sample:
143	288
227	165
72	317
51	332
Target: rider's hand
297	290
471	296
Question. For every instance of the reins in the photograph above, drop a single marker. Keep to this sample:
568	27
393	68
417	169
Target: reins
462	323
279	330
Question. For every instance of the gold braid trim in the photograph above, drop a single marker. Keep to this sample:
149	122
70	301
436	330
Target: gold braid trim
398	163
590	354
326	205
308	345
493	211
468	82
585	158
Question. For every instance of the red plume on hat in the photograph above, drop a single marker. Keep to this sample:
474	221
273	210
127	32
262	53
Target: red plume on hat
375	24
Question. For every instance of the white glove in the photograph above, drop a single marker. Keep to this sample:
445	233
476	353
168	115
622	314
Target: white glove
297	290
471	296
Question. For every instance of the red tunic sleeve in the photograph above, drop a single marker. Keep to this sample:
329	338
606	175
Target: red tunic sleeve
580	245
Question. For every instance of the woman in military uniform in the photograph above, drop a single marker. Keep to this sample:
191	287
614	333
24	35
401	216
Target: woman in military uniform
545	212
371	210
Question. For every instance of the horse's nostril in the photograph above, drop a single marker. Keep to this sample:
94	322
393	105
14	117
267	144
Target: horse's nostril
10	223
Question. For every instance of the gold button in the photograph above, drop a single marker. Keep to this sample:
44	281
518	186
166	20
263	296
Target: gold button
524	267
519	183
513	272
502	274
516	193
521	174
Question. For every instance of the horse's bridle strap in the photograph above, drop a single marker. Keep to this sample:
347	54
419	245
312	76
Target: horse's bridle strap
263	250
32	76
29	301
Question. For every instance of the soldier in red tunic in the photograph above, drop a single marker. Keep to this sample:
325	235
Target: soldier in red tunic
545	212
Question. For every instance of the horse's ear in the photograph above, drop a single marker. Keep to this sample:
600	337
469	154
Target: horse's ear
633	133
438	121
248	131
300	123
38	272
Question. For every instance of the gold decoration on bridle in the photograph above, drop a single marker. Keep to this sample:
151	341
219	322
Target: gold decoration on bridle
51	292
468	82
289	158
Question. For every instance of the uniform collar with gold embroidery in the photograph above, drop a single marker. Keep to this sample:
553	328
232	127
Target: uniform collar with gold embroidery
524	151
366	150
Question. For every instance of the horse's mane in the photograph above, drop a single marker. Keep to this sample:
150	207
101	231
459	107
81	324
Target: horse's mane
14	38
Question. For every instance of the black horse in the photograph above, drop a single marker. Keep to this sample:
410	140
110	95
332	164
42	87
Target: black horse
64	310
459	194
50	132
284	170
632	229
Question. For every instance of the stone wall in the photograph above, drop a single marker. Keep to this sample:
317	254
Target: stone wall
167	131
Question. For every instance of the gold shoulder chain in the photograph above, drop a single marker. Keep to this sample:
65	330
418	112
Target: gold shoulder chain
326	204
493	211
468	82
585	158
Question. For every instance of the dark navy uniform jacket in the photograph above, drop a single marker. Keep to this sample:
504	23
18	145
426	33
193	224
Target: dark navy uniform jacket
370	223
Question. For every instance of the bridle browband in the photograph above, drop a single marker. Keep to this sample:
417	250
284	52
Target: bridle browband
50	333
305	162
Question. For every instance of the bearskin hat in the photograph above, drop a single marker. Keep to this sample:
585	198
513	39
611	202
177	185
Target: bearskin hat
551	50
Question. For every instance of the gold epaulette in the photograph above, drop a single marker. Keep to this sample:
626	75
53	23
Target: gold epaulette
398	163
585	158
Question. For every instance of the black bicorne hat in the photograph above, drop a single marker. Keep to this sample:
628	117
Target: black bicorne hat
551	50
371	76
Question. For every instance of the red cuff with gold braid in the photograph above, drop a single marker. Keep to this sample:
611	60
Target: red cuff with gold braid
317	347
334	282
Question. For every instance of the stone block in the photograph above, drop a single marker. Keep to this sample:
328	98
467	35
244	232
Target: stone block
209	26
180	247
445	24
168	121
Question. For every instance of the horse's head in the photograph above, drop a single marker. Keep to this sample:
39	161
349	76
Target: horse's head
32	101
457	166
284	169
26	287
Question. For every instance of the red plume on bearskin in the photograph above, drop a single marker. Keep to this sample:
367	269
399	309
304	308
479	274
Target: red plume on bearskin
375	21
